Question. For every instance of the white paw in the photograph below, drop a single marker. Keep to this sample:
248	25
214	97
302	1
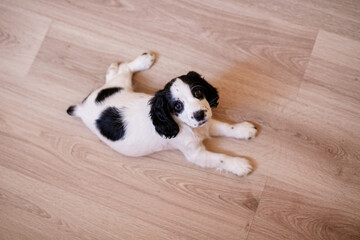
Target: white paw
112	71
244	130
236	165
142	62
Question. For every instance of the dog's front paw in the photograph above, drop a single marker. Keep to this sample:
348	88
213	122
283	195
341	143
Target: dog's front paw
236	165
142	62
244	130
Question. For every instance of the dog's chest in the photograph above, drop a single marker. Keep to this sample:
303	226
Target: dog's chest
195	134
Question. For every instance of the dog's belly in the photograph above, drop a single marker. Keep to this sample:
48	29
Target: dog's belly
140	137
138	148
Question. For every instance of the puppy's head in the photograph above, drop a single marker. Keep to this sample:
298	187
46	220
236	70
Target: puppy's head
188	98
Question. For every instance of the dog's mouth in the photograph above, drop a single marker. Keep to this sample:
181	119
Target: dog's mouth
202	123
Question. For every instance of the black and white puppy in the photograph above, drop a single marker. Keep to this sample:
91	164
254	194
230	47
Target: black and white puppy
177	117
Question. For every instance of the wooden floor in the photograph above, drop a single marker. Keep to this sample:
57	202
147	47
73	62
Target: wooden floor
292	67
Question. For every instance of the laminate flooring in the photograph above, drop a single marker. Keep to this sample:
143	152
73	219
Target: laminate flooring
292	67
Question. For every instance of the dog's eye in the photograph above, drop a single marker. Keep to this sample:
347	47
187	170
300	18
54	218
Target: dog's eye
198	93
178	106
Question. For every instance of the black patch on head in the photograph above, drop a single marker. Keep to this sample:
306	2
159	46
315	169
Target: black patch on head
161	110
111	124
194	80
105	93
71	110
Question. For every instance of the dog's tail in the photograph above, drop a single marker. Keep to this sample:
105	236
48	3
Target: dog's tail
73	111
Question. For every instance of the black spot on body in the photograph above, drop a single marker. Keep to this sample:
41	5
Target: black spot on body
105	93
111	124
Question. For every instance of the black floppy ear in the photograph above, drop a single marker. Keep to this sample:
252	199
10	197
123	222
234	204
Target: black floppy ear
211	93
160	115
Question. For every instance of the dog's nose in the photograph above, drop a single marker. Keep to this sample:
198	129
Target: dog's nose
199	115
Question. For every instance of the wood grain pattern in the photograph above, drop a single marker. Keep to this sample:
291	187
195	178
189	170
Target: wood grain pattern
21	34
292	67
291	214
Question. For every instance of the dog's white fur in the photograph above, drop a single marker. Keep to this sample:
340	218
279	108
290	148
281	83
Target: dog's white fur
141	137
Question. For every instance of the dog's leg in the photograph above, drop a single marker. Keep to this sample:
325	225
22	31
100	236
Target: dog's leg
142	62
244	130
120	74
198	155
112	71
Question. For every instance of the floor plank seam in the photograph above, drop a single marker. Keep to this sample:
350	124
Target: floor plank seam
40	47
260	198
311	54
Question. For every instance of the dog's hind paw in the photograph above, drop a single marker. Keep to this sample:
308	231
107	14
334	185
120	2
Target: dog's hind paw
142	62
